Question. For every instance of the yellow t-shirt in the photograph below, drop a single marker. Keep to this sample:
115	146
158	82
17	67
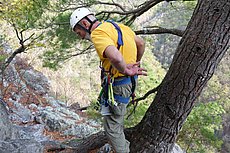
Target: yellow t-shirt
106	35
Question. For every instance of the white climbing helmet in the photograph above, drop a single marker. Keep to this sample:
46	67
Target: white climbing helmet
77	15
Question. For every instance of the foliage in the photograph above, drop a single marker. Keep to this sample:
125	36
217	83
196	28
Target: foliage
22	13
199	131
59	39
2	58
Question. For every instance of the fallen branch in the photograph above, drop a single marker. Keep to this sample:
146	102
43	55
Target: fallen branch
94	141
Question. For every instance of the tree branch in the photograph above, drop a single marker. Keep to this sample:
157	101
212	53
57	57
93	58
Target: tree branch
133	14
92	142
160	30
17	51
142	98
85	51
22	48
28	38
148	93
113	4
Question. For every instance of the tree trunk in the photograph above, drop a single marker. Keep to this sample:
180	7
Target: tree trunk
205	41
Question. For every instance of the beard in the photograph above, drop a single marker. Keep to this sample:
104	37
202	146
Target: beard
87	36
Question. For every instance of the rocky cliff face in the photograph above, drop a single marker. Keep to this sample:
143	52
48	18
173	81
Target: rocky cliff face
30	119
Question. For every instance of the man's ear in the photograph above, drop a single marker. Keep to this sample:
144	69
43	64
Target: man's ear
85	23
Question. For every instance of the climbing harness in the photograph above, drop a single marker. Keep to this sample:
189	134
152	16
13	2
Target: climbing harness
106	96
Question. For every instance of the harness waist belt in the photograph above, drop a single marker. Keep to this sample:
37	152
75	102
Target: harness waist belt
125	80
121	99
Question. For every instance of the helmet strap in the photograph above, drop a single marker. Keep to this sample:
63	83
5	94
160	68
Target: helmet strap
90	27
91	24
78	25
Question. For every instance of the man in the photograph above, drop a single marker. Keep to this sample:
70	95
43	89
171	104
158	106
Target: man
120	52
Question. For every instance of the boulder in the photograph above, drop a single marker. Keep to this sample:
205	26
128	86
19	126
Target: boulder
21	146
19	113
67	122
36	80
35	132
7	130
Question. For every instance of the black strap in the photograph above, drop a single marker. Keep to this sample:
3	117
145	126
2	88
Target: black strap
92	22
133	84
90	27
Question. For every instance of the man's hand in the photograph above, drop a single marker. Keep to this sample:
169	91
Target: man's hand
134	69
118	62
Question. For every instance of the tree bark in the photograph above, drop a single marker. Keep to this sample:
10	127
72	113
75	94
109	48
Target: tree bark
204	43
